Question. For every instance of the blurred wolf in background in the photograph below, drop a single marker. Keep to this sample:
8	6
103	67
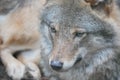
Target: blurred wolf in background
19	31
85	36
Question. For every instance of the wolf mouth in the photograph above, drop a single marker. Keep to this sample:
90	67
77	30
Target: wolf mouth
78	60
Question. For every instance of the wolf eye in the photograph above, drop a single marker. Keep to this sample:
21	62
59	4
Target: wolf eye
79	34
53	30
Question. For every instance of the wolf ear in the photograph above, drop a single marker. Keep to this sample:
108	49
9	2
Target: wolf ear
101	6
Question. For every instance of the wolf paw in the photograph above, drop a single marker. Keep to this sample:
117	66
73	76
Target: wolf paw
33	71
15	70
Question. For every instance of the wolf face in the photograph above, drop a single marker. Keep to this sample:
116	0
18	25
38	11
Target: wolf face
77	33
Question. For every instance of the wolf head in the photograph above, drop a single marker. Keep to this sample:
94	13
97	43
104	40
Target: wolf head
76	32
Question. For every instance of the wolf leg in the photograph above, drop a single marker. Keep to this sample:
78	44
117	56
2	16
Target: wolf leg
14	68
31	60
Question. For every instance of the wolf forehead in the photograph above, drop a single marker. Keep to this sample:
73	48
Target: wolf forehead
74	16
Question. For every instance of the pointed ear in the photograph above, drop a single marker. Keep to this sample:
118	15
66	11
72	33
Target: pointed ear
101	6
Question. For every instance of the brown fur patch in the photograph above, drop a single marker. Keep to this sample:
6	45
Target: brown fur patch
92	2
107	9
1	41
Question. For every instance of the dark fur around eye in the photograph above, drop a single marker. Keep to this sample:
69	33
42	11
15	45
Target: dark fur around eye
53	30
50	27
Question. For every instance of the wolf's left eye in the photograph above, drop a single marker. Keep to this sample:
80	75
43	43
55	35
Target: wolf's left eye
79	34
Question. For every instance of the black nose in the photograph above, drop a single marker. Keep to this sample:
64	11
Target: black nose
56	65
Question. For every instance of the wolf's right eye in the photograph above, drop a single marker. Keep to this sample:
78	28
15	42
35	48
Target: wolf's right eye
53	30
51	27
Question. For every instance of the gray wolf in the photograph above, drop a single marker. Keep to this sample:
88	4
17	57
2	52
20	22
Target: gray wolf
85	38
19	31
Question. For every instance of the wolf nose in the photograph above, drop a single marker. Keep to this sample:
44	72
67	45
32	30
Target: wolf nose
56	65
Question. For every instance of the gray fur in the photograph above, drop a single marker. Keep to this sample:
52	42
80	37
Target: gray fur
102	58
